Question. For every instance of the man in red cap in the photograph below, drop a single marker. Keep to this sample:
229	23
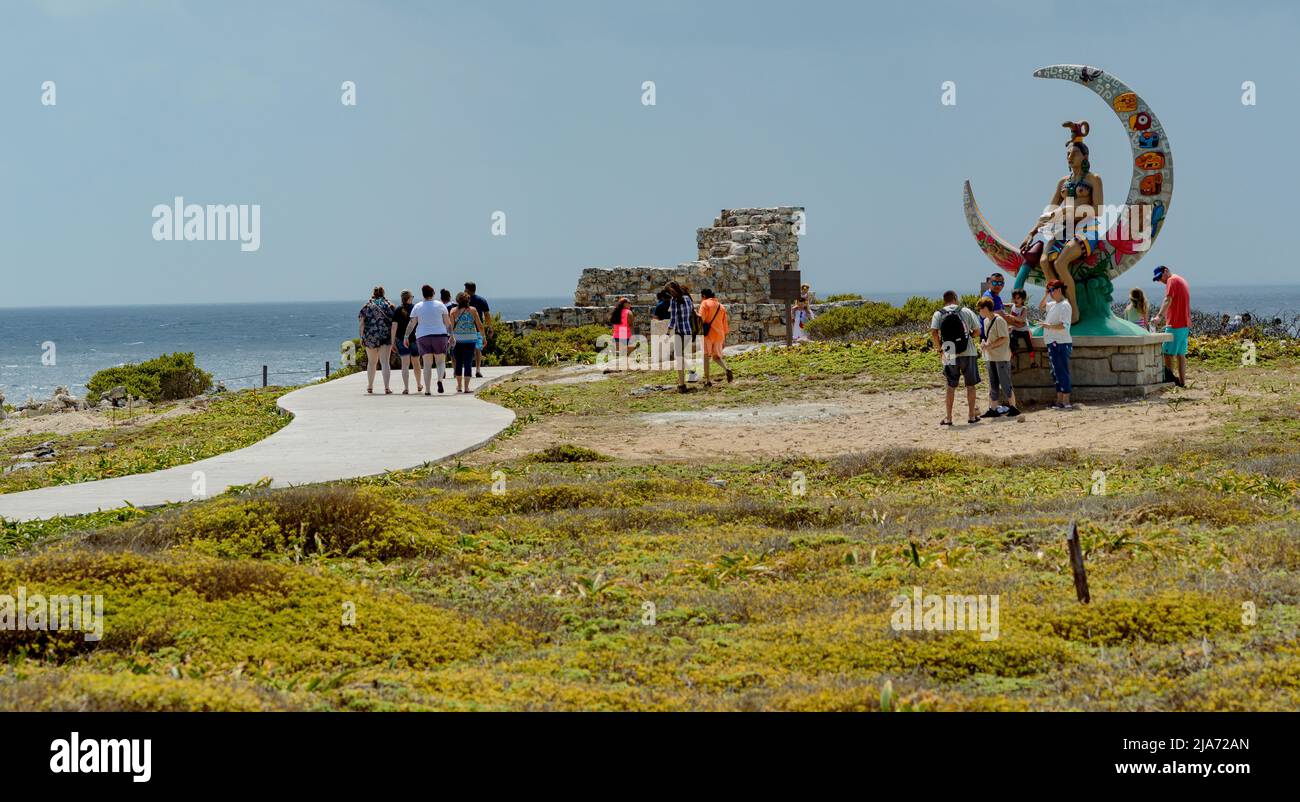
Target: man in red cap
1176	311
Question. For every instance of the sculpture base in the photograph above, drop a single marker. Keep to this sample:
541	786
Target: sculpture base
1101	369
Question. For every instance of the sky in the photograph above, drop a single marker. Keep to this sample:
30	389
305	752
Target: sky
534	109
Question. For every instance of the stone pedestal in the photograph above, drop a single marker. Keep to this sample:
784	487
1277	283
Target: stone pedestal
1101	369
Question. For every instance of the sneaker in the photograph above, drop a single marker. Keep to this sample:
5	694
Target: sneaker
1012	412
1067	407
478	374
1057	405
1002	410
440	387
992	413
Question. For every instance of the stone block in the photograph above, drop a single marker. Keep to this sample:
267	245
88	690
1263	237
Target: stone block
1126	362
1035	377
1092	372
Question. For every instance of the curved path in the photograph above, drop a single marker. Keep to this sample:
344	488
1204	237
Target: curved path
338	432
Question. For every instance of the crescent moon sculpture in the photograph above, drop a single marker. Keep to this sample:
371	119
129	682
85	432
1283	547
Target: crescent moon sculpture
1150	191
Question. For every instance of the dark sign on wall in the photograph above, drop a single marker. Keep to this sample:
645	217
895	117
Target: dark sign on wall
784	285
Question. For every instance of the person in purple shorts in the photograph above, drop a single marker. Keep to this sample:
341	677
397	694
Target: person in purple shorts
433	334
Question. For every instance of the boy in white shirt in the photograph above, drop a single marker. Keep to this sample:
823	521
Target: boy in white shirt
1017	317
997	353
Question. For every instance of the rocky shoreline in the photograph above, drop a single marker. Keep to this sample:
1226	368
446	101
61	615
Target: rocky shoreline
62	400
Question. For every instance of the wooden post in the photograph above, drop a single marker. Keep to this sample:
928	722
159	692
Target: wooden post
789	325
327	369
1076	563
264	375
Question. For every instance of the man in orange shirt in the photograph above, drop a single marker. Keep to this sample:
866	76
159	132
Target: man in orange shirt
1176	311
714	319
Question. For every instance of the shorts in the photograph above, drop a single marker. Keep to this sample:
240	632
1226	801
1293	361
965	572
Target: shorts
1178	345
966	366
408	349
464	353
434	344
1089	233
1059	354
1017	336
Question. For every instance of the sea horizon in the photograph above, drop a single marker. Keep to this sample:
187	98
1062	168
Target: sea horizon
511	300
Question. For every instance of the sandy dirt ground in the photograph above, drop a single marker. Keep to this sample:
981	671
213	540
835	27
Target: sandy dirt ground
62	423
854	422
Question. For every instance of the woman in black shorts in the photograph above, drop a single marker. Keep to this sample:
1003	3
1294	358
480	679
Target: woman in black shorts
403	338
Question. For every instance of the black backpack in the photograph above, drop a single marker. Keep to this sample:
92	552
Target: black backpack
952	329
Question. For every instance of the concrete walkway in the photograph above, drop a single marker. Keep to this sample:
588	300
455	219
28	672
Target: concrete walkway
338	432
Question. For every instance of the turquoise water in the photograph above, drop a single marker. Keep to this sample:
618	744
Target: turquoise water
230	341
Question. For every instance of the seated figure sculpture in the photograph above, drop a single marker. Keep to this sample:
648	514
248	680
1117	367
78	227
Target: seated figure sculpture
1069	229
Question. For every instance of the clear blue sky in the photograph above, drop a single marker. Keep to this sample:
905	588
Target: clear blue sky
534	108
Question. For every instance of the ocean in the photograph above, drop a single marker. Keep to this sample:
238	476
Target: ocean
230	341
294	340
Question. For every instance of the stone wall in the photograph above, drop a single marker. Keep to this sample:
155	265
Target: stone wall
733	257
748	322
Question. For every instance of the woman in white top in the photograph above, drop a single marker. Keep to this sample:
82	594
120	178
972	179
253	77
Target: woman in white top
433	335
1056	333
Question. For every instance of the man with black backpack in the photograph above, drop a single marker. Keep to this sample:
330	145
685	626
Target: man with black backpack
955	332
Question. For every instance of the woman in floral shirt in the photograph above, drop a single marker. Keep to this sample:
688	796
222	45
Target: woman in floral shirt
375	324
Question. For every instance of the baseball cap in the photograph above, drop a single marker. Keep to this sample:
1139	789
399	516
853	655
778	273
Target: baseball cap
1155	276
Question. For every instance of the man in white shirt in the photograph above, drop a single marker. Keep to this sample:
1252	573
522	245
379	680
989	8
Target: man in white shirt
433	335
955	331
1056	333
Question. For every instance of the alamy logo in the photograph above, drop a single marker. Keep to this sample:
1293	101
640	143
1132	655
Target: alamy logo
107	756
931	612
53	613
212	223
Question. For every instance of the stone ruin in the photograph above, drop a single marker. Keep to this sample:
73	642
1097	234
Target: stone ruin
733	257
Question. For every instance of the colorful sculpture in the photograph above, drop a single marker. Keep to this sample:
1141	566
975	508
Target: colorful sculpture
1093	243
